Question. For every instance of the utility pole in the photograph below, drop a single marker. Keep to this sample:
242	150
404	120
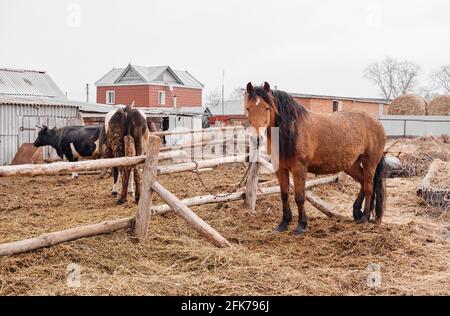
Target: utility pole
223	92
87	92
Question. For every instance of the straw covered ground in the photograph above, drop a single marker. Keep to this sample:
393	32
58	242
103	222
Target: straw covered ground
411	248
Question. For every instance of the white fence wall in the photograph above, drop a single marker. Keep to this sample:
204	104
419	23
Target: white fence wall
415	126
179	123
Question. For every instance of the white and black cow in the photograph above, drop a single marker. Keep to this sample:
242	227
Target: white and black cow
72	142
118	124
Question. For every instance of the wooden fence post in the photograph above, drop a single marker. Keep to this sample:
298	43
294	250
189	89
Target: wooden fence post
252	186
149	177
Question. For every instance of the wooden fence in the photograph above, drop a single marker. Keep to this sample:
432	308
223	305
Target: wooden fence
140	222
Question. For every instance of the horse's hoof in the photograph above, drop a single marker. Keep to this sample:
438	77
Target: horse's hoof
114	194
282	227
121	201
362	221
357	215
300	231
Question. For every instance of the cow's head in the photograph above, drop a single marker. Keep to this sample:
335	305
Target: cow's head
44	137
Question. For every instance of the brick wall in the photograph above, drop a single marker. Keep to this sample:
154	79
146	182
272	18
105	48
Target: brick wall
125	95
147	95
326	105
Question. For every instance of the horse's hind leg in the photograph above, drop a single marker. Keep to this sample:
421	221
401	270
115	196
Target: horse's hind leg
125	175
283	179
357	173
115	172
369	172
136	170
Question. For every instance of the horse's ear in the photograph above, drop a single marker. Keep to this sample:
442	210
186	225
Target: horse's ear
266	87
250	88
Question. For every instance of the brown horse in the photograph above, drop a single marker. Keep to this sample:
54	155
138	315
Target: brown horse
320	143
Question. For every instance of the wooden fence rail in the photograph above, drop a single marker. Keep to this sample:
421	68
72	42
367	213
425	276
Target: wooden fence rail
197	131
106	227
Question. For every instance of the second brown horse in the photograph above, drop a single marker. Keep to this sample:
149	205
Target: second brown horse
320	143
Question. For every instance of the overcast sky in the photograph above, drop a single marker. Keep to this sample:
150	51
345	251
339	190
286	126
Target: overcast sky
315	46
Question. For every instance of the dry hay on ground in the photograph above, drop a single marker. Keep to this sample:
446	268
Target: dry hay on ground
411	248
442	178
416	155
439	106
408	104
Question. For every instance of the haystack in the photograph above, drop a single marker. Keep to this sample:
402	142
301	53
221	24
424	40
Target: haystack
408	104
440	105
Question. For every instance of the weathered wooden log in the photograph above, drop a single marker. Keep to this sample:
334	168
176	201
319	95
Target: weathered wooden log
196	131
191	218
68	167
202	164
252	185
145	201
172	155
55	238
311	198
214	199
203	144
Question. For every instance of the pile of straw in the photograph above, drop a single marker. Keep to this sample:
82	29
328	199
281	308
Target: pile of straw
408	104
439	106
442	178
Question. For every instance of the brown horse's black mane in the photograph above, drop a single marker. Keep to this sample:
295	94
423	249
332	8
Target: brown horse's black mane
288	114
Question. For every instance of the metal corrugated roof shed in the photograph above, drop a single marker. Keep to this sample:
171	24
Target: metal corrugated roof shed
151	75
24	100
20	82
231	107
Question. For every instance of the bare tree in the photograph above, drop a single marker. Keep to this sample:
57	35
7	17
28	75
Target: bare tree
405	77
441	78
393	77
213	98
237	94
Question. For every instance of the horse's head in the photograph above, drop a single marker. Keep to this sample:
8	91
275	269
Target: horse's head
260	107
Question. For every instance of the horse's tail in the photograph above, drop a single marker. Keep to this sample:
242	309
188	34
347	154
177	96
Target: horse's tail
379	191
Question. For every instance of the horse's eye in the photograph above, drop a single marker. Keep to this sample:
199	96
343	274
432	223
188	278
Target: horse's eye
267	109
248	109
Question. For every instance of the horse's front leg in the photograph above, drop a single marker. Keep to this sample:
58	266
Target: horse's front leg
299	174
283	179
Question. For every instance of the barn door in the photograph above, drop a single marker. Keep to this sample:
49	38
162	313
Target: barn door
28	131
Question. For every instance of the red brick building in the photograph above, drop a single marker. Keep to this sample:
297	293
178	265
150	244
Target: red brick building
150	87
327	104
234	113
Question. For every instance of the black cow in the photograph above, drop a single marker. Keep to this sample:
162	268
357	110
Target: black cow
72	142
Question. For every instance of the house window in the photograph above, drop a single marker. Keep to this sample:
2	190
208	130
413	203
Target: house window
161	98
337	106
110	97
